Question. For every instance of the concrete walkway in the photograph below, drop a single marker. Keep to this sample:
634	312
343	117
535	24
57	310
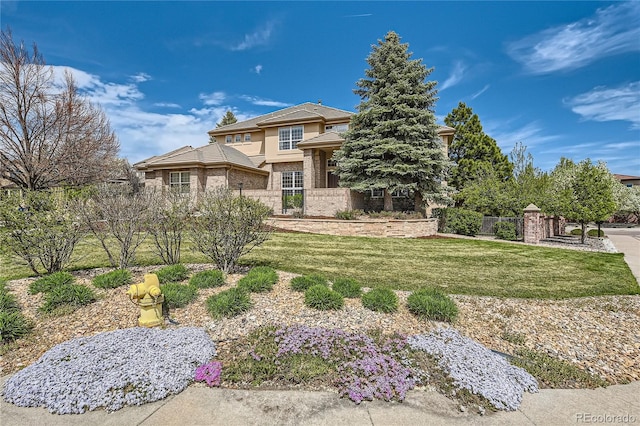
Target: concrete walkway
627	241
199	405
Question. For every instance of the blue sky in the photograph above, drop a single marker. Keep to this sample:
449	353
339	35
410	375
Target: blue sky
563	78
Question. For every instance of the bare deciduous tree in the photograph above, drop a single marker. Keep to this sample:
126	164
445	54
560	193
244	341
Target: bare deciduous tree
48	136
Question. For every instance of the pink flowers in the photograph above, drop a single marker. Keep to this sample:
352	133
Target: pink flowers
209	373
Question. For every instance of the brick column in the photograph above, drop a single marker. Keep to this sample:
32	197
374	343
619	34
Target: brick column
532	231
308	167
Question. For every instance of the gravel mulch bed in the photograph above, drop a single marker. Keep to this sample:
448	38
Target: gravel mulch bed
598	334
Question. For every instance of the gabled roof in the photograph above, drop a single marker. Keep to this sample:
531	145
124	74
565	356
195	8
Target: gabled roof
323	139
303	112
168	154
626	177
213	154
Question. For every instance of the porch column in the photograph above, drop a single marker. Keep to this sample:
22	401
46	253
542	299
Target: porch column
532	231
309	170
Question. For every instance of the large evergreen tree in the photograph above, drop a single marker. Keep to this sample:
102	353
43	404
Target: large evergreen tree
474	152
229	118
393	142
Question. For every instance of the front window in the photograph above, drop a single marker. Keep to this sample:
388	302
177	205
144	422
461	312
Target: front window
179	181
289	137
338	128
292	183
228	139
238	138
247	137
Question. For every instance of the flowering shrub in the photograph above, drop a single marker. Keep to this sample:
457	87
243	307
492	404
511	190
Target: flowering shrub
209	373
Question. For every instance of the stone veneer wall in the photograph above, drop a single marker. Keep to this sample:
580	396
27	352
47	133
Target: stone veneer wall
538	226
327	201
361	228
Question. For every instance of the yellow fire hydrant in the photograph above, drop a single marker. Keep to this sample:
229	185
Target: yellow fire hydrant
148	296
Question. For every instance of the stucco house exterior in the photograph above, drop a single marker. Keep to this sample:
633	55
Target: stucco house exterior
628	181
283	158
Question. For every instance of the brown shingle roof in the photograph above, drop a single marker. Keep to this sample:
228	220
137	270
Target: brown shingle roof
327	138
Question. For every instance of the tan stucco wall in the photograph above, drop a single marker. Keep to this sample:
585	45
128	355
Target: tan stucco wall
255	147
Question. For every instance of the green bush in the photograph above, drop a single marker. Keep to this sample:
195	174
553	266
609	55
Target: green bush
576	231
178	295
207	279
72	295
505	231
8	301
49	282
347	287
113	279
461	221
259	279
381	300
13	325
229	303
594	233
432	304
305	282
348	214
323	298
172	274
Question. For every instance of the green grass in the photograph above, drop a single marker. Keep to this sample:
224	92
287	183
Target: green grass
456	266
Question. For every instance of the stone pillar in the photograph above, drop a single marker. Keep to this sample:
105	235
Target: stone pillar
532	231
308	167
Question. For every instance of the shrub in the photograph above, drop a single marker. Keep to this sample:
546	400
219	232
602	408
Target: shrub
8	301
432	304
168	225
594	233
207	279
13	325
228	227
505	231
229	303
461	221
49	282
576	231
381	300
172	274
113	279
72	295
348	214
178	295
323	298
305	282
347	287
259	279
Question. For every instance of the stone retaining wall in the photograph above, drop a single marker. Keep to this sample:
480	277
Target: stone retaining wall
362	228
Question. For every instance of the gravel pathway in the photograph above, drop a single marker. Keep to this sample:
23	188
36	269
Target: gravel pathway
598	334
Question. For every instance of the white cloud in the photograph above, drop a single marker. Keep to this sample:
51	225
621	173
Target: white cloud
264	102
454	77
481	91
97	91
166	105
613	30
260	37
257	69
141	77
215	98
507	135
609	104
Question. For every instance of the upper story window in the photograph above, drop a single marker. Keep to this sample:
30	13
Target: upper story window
247	137
238	138
289	137
227	139
338	128
180	182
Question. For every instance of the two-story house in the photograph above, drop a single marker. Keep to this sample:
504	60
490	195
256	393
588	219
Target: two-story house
283	158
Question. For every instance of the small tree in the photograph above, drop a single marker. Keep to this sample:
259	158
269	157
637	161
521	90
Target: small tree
39	228
393	141
227	227
113	212
169	213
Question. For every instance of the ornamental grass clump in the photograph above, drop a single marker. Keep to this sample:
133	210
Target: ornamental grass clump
51	281
259	280
67	297
229	303
347	287
13	325
432	304
172	274
323	298
207	279
113	279
178	295
380	300
304	282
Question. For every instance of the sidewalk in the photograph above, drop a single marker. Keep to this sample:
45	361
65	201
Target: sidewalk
627	241
198	405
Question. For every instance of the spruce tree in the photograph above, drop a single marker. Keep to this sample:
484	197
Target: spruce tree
393	143
474	152
229	118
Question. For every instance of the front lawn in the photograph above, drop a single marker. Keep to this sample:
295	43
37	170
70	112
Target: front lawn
457	266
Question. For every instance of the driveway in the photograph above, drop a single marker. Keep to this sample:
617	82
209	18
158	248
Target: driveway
627	241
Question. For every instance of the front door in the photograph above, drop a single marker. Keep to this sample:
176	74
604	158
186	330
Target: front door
332	180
